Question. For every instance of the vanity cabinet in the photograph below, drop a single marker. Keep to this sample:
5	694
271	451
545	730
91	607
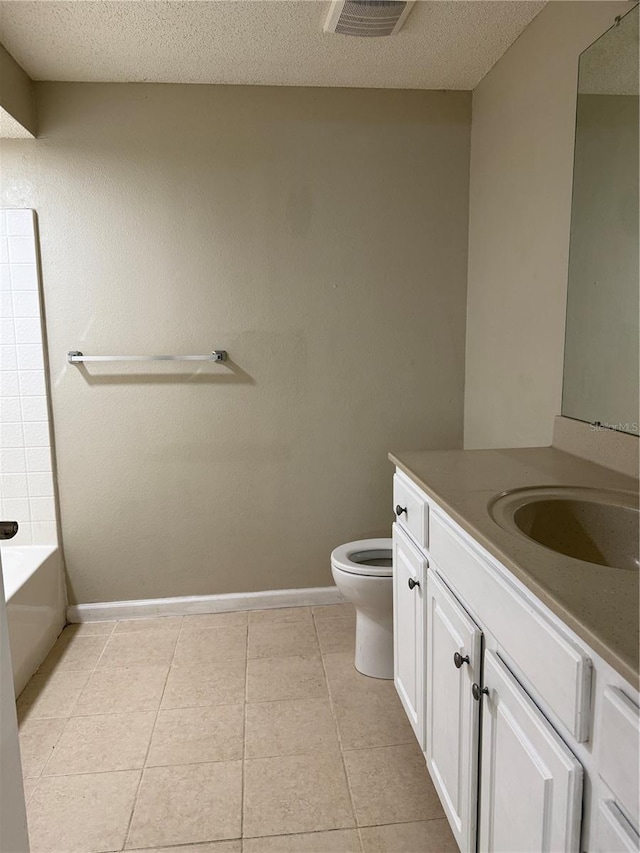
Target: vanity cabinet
514	713
409	575
453	652
531	783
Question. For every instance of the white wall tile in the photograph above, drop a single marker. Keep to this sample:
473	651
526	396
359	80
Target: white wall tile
40	485
17	509
31	383
13	460
9	386
11	435
34	408
14	486
36	434
4	250
10	410
42	509
8	357
22	250
28	331
6	306
44	533
24	277
7	331
3	223
5	277
38	459
23	536
26	303
19	223
30	356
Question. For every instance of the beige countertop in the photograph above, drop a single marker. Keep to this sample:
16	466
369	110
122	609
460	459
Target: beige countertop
600	604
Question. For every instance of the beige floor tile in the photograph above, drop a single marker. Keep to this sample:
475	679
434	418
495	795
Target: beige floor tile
295	793
52	695
211	847
206	646
146	648
81	814
98	744
195	686
295	677
391	785
194	735
74	654
187	804
215	620
112	691
335	841
156	623
428	836
336	635
38	739
89	629
280	614
280	639
334	611
368	710
289	728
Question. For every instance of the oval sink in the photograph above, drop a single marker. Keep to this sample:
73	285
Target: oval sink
593	525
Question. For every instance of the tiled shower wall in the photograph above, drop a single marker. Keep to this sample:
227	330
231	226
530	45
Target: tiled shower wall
26	478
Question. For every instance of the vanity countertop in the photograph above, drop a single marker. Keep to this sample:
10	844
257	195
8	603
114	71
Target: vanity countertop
600	604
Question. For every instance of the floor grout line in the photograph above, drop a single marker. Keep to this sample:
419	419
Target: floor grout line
335	722
153	728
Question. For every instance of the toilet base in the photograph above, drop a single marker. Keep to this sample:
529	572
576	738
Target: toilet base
374	646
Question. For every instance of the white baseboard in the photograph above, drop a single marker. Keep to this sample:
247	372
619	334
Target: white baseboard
189	605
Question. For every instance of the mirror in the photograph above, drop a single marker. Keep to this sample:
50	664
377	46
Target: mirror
601	376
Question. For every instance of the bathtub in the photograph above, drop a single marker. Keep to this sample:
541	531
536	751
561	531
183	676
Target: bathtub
35	595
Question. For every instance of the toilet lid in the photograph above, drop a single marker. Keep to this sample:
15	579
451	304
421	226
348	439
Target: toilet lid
371	557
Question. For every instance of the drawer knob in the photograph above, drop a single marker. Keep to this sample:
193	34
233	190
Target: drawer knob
477	691
459	660
400	510
413	583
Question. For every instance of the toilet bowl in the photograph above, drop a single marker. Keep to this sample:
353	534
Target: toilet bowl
362	572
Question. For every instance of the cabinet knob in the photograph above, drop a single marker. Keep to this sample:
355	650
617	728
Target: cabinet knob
459	660
400	510
477	691
413	583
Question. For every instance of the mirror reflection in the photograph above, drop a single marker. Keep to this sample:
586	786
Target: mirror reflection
601	378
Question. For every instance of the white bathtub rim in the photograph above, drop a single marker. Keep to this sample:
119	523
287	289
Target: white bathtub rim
191	605
40	553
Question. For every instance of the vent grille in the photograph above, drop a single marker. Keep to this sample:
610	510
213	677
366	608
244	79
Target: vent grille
367	18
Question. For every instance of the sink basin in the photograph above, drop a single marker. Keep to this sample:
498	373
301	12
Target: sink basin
593	525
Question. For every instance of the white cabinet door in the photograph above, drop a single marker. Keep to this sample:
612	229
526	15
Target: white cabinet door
453	649
530	782
614	833
409	573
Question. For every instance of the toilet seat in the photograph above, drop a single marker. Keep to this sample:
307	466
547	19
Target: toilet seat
351	557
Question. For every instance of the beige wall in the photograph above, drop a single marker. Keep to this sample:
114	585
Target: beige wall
16	92
519	215
320	236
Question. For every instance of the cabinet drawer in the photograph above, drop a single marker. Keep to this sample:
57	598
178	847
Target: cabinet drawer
618	748
411	508
552	665
614	834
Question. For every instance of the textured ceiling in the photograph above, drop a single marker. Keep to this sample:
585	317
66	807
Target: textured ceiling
443	44
12	129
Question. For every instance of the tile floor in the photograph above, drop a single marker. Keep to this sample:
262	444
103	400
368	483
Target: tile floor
226	733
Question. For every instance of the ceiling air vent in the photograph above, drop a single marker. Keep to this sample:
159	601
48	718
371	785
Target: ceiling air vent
367	17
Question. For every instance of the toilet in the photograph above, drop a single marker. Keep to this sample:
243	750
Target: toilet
362	572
